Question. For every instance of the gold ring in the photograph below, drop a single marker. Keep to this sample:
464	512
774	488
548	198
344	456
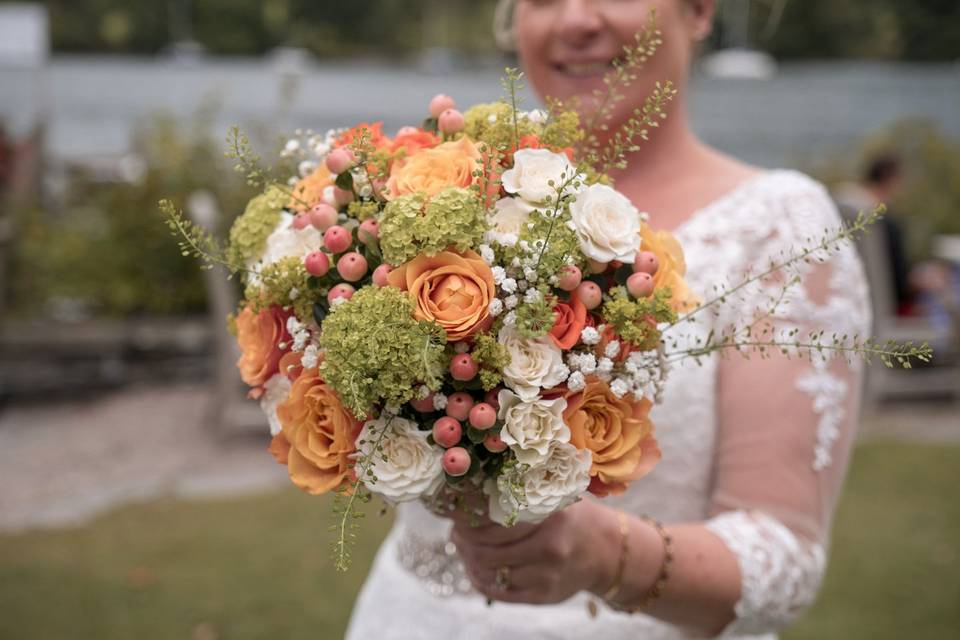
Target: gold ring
502	579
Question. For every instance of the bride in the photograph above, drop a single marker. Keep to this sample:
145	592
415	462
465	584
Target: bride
754	450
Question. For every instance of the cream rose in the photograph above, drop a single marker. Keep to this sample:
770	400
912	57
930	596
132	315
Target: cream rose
555	483
534	363
405	466
607	224
530	428
511	215
285	242
532	172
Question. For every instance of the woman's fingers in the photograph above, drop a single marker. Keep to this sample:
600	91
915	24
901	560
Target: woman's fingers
489	533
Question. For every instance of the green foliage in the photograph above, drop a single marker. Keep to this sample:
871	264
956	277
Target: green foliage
103	248
377	353
284	283
249	233
535	319
492	357
411	225
635	320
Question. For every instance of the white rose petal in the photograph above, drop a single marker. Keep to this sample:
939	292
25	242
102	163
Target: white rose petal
275	391
532	172
511	214
554	484
533	363
405	466
607	224
530	427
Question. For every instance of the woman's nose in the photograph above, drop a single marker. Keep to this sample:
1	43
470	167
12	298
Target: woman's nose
578	21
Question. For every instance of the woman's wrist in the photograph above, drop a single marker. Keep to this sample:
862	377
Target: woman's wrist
635	576
607	543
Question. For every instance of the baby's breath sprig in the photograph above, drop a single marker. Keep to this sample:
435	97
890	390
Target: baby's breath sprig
346	500
512	85
248	163
195	241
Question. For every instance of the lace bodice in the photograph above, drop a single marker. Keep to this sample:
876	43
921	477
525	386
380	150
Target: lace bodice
772	511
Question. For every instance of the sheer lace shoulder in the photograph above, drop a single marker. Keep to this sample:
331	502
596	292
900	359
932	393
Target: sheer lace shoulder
784	425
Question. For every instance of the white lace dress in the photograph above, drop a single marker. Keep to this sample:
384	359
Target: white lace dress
709	472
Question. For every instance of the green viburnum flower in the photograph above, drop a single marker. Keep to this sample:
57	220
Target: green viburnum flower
284	283
249	233
377	353
363	209
562	131
411	225
492	124
492	358
635	321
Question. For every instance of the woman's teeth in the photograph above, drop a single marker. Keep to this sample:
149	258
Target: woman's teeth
588	69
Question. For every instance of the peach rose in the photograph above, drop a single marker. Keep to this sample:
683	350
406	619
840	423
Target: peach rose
260	336
618	433
571	318
318	435
673	266
452	289
450	164
309	191
414	140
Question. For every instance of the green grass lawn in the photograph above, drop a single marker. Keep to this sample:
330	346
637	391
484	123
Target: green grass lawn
258	567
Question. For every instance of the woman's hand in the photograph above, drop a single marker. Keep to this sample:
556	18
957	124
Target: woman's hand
576	549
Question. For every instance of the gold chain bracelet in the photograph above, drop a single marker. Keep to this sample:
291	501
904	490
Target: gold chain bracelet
656	590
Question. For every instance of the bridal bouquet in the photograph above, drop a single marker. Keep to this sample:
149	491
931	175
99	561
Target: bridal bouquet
468	307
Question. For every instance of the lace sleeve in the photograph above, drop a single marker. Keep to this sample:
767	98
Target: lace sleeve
786	425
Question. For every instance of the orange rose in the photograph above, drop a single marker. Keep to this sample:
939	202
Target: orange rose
260	336
450	164
618	433
454	290
673	266
413	140
570	320
309	191
318	438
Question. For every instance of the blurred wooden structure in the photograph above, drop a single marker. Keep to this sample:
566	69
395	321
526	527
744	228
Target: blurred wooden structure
230	411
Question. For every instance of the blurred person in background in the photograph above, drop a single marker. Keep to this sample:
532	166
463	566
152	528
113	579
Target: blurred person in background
928	288
754	452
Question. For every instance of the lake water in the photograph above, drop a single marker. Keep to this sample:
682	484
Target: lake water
93	104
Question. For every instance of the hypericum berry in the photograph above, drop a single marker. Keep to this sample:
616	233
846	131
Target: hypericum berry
589	294
570	278
456	461
323	216
352	266
301	221
440	103
459	405
640	285
369	231
597	266
423	405
463	367
342	197
380	275
451	121
317	264
337	239
483	416
447	432
340	160
494	444
342	290
492	398
646	262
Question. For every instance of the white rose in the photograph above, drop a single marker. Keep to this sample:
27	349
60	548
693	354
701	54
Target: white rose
535	363
511	215
532	171
275	391
607	224
531	427
405	466
554	484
